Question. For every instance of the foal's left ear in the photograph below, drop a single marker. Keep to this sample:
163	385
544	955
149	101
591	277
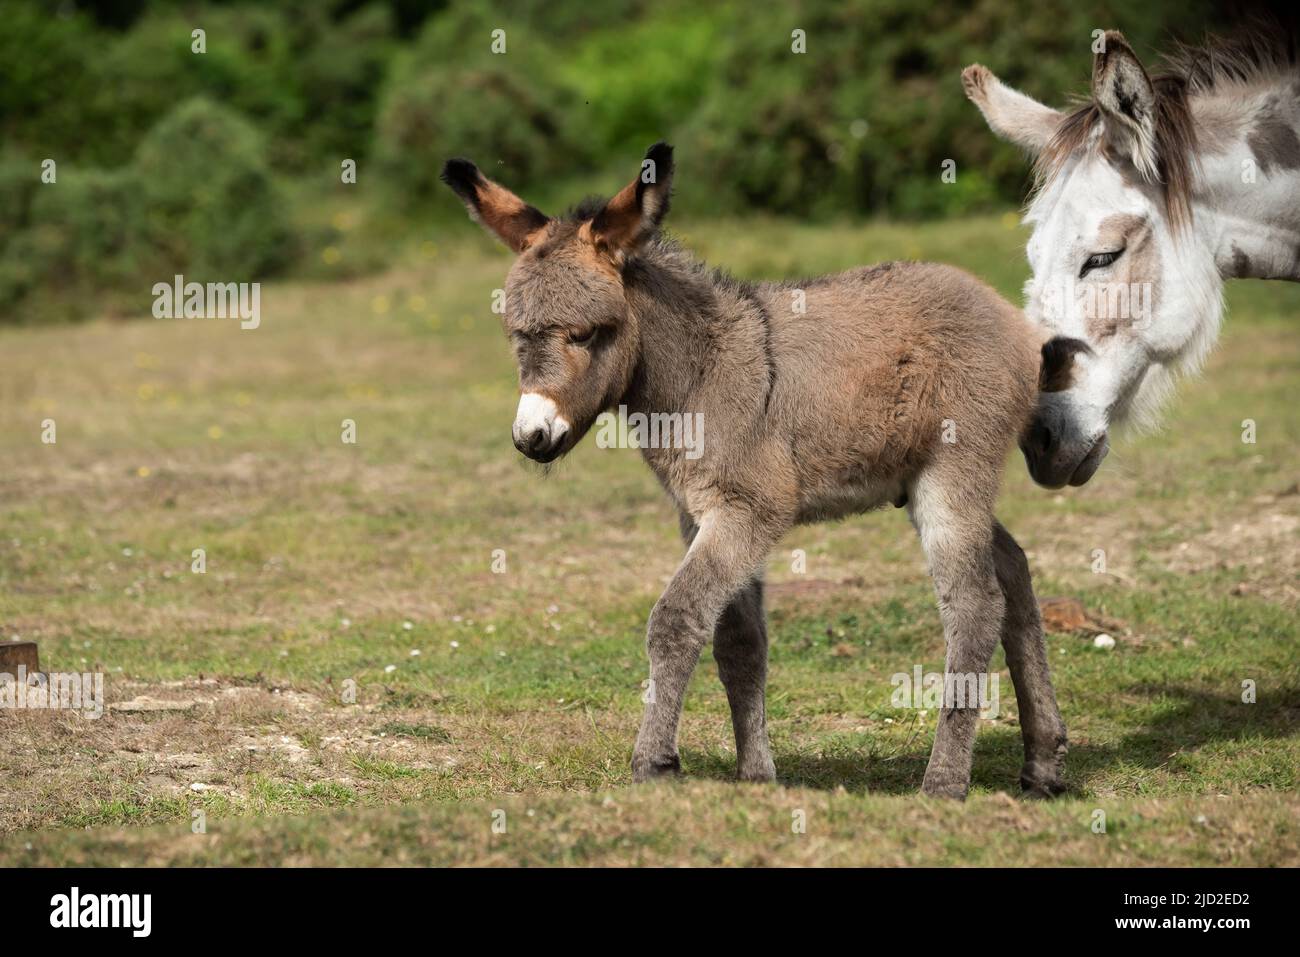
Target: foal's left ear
490	204
1123	92
633	215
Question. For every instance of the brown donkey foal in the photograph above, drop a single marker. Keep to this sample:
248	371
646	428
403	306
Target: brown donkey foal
903	383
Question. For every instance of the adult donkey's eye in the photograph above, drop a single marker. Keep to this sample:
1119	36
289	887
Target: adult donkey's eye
1098	260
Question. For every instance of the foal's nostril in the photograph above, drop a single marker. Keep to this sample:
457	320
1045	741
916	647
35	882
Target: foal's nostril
537	440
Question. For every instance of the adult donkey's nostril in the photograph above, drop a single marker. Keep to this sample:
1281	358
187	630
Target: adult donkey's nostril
1041	437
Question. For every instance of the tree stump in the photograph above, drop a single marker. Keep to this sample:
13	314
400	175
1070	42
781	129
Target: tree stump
15	653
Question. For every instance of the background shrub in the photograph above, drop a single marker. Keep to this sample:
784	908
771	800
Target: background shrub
210	205
450	95
227	162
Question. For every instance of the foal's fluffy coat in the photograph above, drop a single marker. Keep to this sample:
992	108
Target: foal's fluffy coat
901	383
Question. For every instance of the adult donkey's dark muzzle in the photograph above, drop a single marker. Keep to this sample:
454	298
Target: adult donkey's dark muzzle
1057	453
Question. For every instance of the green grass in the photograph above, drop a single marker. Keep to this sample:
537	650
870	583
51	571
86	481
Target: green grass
329	564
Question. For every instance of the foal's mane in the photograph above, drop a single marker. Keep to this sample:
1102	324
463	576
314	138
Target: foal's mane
1262	50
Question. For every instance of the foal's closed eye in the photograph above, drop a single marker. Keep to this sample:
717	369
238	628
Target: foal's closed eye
1099	260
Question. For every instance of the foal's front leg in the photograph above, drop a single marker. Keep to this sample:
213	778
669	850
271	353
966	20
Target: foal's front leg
740	650
724	556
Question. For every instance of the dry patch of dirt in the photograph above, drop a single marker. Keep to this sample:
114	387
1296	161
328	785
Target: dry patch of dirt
168	740
1264	544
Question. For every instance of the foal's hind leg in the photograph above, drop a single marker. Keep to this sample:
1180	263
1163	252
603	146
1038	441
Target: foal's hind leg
955	525
740	650
1041	726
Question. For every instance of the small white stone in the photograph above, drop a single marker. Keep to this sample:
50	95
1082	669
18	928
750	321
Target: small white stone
1103	641
415	652
407	625
198	786
389	669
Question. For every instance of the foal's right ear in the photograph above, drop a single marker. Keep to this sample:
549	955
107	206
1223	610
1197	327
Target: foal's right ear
490	204
632	216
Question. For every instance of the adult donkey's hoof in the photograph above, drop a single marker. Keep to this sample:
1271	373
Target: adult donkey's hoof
649	769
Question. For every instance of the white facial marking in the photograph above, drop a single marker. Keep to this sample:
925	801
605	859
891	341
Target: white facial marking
536	411
1127	375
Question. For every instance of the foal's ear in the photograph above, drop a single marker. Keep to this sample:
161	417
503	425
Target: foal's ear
1124	94
1009	113
633	215
493	206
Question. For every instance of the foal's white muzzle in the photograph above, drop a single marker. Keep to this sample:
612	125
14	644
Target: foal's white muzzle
539	430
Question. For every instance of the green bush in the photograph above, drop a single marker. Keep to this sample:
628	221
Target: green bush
307	77
209	202
864	120
197	199
82	237
450	95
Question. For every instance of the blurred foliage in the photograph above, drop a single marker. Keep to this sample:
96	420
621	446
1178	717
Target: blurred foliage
448	93
197	198
859	124
212	205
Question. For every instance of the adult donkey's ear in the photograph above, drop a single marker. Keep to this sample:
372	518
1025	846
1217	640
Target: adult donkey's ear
1123	92
635	212
1009	113
490	204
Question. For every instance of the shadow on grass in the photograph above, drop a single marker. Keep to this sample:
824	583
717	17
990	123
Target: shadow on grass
1196	718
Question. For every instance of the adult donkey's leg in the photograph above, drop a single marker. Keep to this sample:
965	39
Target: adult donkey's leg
724	557
740	649
1041	726
958	544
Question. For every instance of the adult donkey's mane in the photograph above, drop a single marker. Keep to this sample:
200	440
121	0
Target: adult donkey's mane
1259	52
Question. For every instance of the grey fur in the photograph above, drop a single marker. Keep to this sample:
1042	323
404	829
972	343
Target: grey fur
838	409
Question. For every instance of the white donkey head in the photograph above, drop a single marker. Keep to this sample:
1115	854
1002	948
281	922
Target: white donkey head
1129	284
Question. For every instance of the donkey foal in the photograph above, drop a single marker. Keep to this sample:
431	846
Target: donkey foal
903	383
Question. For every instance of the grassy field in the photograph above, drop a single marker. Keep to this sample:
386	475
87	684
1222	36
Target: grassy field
478	692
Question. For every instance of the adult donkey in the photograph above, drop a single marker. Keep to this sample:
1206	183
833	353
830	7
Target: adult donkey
1149	195
903	383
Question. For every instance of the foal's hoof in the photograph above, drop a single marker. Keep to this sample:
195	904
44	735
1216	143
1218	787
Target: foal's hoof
1041	788
759	773
953	790
649	769
1041	779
